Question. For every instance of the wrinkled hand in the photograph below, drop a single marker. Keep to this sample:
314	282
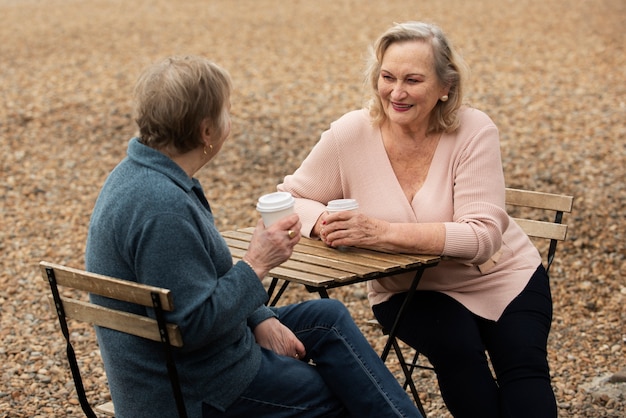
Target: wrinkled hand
351	228
273	335
270	247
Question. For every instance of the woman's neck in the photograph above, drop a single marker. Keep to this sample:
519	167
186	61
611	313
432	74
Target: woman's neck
191	161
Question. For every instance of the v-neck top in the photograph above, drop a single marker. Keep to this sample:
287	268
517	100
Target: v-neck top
464	189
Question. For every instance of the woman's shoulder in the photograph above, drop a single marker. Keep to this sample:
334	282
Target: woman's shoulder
356	123
137	185
474	123
471	116
352	118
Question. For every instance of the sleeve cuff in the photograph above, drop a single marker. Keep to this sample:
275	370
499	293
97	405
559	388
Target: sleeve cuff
260	315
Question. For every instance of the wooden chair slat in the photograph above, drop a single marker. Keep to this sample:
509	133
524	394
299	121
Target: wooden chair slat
539	200
540	229
138	325
108	286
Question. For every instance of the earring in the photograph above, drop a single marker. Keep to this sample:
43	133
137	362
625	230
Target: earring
204	150
444	98
210	149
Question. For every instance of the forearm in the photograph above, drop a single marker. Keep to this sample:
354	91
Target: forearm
473	242
413	238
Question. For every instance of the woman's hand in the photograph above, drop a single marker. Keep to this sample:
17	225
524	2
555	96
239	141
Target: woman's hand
273	335
358	230
316	232
272	246
351	229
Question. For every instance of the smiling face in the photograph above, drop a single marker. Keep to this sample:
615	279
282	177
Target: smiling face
407	84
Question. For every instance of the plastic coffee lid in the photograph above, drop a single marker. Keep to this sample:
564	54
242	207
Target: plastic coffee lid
342	204
275	202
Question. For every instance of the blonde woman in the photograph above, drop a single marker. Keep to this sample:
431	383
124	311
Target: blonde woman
427	174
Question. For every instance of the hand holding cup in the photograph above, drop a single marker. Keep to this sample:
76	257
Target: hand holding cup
339	205
336	206
276	233
275	206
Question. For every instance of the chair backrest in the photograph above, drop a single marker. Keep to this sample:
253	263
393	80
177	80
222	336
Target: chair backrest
72	305
554	230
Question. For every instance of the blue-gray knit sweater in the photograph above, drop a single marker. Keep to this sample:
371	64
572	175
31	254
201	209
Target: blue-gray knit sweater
152	224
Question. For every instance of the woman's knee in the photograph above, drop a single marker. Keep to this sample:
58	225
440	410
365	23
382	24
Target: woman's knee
331	306
446	328
456	354
325	312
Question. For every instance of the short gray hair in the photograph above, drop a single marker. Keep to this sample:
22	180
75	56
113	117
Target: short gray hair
174	96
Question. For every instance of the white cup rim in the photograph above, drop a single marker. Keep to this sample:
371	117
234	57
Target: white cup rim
342	204
274	202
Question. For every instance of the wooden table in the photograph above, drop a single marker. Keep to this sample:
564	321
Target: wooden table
319	268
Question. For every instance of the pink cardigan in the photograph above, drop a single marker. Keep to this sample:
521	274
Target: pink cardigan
491	258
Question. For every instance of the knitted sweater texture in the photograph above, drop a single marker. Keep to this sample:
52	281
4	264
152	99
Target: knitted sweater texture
152	224
464	189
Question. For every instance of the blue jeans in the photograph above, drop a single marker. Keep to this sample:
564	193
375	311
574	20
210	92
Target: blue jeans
455	341
341	376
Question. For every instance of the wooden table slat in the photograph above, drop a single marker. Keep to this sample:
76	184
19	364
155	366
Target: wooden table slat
237	243
296	276
357	269
296	265
406	260
242	234
301	277
348	255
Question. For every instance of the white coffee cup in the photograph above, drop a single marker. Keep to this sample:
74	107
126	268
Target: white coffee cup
339	205
275	206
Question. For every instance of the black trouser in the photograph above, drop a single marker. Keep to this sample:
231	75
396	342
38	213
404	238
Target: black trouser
455	340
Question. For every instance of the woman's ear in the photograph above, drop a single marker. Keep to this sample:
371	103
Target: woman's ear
205	130
446	90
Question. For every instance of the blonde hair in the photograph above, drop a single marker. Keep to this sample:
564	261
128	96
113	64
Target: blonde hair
174	96
450	69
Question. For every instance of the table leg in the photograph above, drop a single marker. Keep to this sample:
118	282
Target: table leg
271	289
391	341
320	290
408	376
394	329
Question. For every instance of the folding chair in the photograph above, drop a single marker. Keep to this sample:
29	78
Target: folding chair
72	307
554	231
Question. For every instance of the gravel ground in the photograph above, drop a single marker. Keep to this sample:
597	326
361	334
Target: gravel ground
551	73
